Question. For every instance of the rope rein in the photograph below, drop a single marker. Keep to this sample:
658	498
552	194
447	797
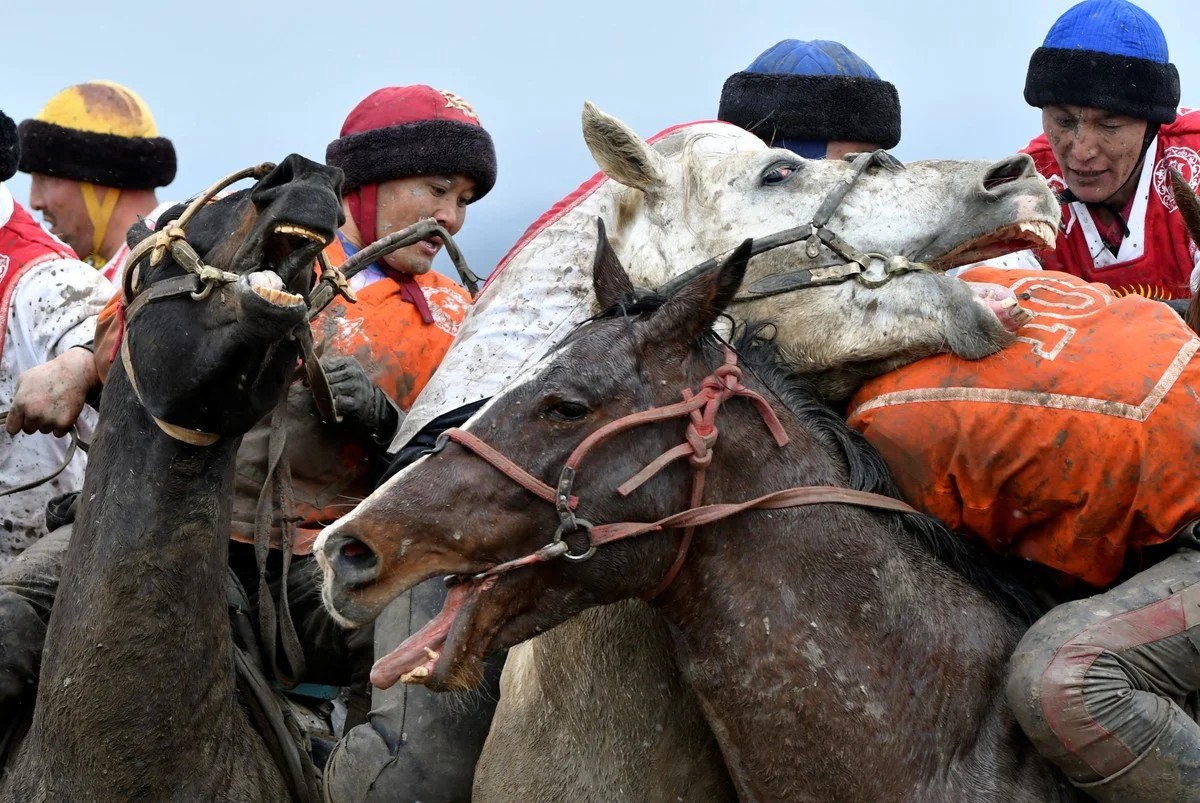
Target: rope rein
700	408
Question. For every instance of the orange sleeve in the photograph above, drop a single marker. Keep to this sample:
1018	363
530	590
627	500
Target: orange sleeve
108	336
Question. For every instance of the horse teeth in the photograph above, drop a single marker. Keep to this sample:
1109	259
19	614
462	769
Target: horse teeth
415	675
299	231
433	654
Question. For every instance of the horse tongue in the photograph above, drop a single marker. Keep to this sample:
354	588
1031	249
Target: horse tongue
1003	303
414	660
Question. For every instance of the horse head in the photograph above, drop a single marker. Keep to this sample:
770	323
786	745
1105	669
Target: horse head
906	226
209	342
455	514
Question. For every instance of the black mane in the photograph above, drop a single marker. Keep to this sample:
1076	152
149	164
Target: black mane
865	469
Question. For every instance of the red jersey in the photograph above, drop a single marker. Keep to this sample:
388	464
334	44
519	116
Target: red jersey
1157	257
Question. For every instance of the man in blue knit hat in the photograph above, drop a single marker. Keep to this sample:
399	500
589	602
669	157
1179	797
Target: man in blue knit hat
815	98
1109	96
1099	683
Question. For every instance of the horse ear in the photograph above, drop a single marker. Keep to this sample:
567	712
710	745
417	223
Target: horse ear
137	232
621	154
1189	204
609	278
696	306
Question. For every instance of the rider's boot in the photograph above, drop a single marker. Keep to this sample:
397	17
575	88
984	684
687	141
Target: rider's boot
1168	772
416	744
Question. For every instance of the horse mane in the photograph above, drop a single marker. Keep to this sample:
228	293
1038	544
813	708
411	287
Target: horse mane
866	471
865	468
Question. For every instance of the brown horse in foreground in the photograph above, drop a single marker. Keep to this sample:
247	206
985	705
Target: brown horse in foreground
838	653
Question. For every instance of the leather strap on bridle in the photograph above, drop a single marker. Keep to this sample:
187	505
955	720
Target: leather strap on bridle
818	235
701	408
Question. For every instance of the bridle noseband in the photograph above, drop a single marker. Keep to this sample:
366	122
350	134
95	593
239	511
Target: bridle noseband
700	407
198	282
855	264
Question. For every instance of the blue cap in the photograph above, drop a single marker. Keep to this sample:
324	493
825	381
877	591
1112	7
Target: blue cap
801	95
1105	54
817	57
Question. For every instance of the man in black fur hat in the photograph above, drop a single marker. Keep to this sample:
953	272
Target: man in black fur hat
817	99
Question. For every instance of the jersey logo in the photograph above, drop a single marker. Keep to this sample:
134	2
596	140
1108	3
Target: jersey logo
1187	162
3	266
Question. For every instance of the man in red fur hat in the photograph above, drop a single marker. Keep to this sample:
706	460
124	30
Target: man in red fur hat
408	153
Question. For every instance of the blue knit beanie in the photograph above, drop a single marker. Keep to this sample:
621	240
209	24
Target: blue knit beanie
1105	54
801	95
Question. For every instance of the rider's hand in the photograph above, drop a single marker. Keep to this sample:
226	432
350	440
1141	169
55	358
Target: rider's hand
50	396
358	399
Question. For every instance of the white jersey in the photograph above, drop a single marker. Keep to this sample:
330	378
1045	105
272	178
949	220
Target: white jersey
52	308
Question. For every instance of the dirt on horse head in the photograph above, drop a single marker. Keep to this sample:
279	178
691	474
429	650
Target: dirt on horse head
137	695
696	191
871	645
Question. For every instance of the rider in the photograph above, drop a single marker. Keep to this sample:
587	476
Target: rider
95	158
1071	452
817	98
408	153
1111	130
48	305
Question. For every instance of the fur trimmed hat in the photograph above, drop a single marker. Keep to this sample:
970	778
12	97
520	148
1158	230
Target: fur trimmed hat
414	130
800	95
1105	54
99	132
9	148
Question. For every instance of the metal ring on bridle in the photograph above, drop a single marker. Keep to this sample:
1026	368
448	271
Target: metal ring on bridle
581	525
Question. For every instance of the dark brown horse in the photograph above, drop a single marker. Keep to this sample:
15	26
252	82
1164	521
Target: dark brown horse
137	695
838	652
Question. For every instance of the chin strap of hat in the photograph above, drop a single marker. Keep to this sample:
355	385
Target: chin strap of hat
99	212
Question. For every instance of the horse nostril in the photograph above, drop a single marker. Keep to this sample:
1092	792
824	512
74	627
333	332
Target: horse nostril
1008	171
354	561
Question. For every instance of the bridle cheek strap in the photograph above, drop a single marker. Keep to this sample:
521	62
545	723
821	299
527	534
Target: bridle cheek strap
701	407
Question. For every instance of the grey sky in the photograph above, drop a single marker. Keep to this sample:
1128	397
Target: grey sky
235	83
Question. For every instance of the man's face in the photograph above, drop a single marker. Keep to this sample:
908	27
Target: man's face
60	201
402	202
1096	149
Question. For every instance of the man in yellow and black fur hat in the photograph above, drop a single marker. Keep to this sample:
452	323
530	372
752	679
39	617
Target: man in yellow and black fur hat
96	158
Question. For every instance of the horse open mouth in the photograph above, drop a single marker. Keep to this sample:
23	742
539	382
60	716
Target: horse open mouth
415	660
1031	234
286	251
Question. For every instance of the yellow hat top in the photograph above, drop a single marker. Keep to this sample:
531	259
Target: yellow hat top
100	107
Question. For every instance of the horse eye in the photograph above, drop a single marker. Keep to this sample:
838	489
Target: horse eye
778	173
567	410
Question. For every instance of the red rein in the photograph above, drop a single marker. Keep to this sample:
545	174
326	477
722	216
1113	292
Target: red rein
701	408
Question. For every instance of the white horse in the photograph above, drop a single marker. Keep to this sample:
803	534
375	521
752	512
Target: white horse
595	709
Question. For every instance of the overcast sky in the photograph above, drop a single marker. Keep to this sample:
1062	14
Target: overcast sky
236	83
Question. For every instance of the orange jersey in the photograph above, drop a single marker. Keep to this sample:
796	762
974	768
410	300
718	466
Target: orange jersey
1071	448
331	465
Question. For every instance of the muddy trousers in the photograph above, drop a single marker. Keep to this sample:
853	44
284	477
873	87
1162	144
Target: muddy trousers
1100	686
417	745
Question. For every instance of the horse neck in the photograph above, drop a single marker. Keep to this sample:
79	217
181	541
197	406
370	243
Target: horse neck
140	622
831	602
